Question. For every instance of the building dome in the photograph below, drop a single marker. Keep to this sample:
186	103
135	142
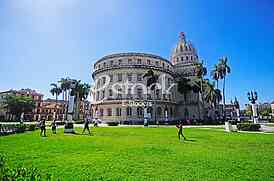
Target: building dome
184	52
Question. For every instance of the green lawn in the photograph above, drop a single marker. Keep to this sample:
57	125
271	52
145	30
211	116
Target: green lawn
144	154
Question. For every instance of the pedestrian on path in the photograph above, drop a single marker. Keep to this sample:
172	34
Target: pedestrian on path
180	130
53	126
43	127
86	125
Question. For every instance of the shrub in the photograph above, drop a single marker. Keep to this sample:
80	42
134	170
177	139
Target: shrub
113	123
20	128
248	127
31	127
80	121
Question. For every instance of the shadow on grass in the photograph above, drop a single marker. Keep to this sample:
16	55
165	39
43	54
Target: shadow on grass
190	140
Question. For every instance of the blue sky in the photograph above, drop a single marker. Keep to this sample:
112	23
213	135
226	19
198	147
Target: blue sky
44	40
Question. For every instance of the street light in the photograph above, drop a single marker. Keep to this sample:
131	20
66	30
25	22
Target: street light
253	97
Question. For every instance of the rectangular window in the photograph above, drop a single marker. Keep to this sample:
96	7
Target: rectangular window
139	61
129	77
139	77
120	77
111	63
118	111
119	95
129	61
103	94
110	93
157	94
97	96
139	93
148	62
129	111
104	80
111	78
109	112
119	62
157	63
101	112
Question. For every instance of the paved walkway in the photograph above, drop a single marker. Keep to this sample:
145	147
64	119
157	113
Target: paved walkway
264	127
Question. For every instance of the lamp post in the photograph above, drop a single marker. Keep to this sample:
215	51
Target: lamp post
253	97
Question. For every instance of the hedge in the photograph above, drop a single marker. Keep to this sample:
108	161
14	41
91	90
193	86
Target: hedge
248	127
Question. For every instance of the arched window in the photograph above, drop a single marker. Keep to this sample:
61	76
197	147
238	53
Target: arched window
159	111
171	112
129	111
140	111
186	113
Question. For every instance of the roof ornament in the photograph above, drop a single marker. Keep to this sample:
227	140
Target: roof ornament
182	37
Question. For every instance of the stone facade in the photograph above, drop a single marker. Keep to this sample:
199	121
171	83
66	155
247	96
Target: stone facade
119	78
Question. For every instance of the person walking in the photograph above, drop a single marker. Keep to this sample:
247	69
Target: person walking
86	125
53	126
180	130
43	127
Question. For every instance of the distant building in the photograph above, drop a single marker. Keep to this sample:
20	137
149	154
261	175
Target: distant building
272	108
49	106
37	97
230	109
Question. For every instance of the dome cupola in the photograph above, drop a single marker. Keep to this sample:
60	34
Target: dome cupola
184	52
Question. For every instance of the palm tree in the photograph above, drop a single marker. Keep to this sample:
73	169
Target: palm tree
151	84
55	91
184	87
215	74
201	71
212	95
81	92
65	84
224	69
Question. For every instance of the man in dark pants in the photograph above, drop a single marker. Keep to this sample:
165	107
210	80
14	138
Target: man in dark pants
53	127
180	130
43	127
86	126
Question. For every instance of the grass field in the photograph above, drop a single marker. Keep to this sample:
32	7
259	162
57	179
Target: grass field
144	154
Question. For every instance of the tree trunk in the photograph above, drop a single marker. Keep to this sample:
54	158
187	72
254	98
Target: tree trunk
202	99
224	113
56	100
155	107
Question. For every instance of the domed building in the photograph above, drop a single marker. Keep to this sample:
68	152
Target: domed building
120	93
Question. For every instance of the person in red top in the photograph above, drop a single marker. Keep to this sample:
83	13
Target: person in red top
180	130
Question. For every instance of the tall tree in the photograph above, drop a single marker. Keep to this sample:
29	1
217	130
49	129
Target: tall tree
201	71
65	84
152	79
55	91
212	95
224	70
215	74
17	105
81	92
